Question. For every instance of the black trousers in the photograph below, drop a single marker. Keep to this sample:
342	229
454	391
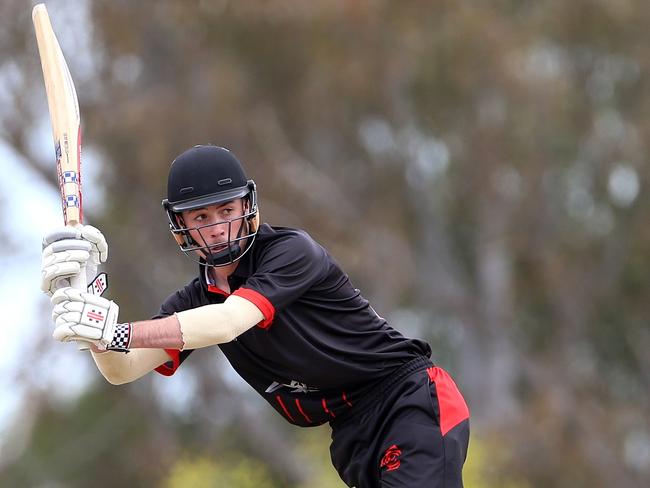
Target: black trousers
412	431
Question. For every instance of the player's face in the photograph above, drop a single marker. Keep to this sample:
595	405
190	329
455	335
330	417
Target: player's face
217	224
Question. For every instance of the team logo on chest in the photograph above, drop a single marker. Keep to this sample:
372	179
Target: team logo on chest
294	386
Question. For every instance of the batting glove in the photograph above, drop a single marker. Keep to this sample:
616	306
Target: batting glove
66	251
82	316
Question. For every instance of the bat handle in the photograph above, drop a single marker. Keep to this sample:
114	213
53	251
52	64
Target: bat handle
79	283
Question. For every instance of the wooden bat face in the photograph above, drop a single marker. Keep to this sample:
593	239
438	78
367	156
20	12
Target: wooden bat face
64	115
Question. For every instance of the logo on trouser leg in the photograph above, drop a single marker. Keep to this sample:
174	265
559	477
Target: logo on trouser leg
391	461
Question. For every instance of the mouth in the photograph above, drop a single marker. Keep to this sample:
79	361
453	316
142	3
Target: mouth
215	248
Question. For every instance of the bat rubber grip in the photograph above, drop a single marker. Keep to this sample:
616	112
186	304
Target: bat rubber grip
79	283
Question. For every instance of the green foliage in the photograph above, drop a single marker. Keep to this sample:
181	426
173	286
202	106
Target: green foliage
482	468
313	444
100	429
239	470
228	472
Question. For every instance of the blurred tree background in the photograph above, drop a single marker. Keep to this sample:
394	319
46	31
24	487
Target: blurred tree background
478	168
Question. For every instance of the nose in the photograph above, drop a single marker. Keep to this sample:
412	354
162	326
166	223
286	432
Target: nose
217	230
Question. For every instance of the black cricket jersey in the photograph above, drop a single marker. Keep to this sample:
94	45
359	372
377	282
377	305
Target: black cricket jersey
320	347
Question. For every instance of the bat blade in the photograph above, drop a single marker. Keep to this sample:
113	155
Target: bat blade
66	126
64	116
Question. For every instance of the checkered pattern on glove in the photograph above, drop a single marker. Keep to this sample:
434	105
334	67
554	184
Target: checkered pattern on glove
121	338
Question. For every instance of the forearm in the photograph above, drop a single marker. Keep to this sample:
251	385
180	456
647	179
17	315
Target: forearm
218	323
191	329
199	327
119	368
162	333
149	338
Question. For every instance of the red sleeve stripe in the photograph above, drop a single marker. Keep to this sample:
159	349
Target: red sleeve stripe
453	409
284	408
167	370
301	411
261	302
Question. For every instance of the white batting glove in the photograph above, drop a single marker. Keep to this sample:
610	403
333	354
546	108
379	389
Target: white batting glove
66	251
82	316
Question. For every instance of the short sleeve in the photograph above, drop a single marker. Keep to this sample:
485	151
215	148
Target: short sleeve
285	271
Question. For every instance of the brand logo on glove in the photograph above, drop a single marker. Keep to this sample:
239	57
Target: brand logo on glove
99	284
95	316
391	458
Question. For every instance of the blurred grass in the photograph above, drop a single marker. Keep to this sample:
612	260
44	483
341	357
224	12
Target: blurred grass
205	472
484	459
484	466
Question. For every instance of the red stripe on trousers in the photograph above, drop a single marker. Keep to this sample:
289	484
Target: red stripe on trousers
453	409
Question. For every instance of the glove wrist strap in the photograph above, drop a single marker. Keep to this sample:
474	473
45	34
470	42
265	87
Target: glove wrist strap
121	338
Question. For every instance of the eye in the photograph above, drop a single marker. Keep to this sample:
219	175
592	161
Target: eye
227	211
200	217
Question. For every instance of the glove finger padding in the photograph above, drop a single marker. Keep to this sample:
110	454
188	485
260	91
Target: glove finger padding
66	294
61	234
68	245
100	246
60	265
83	316
75	255
72	331
66	251
65	307
52	275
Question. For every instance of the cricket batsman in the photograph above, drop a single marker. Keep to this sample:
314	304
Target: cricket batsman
288	320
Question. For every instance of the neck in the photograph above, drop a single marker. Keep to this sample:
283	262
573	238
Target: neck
220	274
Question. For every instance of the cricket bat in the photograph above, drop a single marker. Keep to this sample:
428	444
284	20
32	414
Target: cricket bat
66	125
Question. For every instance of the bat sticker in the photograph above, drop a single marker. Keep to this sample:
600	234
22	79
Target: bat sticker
70	177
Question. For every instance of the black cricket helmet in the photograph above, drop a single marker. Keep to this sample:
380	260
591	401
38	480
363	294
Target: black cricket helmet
210	175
